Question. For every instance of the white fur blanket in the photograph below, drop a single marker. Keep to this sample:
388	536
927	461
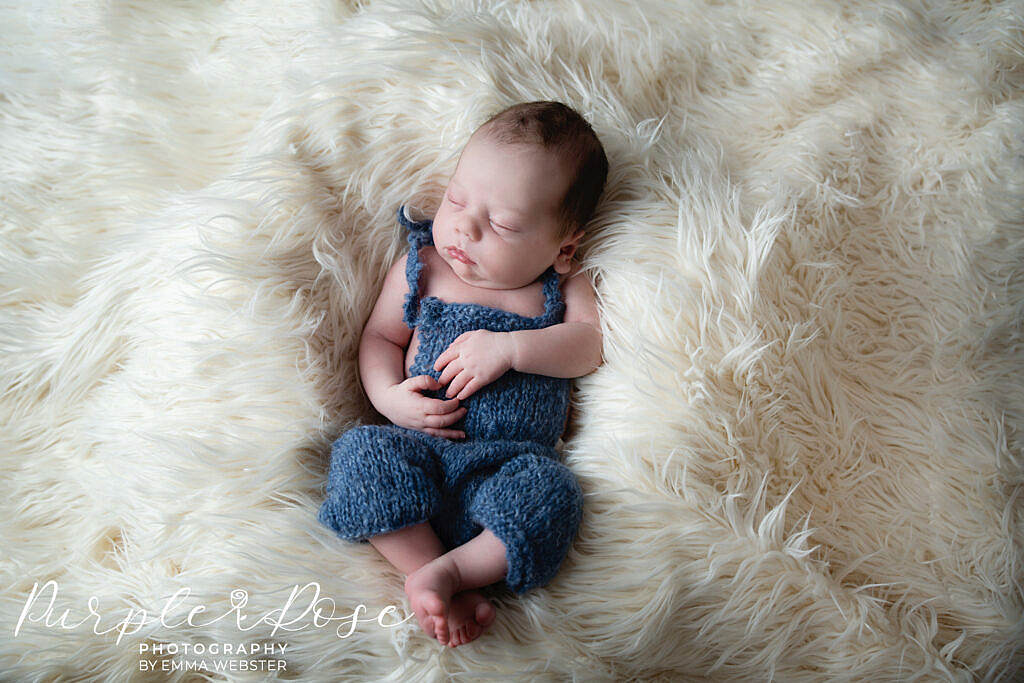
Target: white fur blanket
802	457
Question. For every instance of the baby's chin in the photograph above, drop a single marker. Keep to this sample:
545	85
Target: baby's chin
482	282
476	275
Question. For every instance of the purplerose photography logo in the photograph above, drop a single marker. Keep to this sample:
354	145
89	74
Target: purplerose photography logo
303	609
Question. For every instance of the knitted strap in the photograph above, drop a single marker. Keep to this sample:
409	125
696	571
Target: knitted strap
552	294
419	234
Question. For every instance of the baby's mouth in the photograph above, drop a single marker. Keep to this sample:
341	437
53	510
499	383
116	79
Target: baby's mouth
459	255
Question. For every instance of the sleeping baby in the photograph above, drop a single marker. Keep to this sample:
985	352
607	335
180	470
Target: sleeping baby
469	352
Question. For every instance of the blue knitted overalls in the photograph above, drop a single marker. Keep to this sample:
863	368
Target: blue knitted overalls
505	475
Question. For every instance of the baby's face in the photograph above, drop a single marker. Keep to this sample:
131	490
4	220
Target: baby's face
500	210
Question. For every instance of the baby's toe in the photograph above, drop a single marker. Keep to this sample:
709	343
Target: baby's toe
441	630
470	632
484	613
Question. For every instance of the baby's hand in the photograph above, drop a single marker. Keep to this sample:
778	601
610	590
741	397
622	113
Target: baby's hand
474	360
407	407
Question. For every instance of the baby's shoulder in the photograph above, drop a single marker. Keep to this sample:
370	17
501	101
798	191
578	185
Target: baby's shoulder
579	296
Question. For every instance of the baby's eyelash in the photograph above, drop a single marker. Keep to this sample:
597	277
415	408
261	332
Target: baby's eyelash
497	225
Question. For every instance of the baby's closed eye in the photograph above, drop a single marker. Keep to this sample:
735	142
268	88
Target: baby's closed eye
501	226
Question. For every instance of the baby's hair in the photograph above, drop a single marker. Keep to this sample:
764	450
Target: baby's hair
557	126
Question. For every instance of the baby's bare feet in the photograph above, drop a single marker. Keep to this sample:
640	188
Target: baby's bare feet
430	589
471	612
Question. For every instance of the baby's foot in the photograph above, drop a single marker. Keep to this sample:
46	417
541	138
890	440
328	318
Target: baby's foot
471	612
430	589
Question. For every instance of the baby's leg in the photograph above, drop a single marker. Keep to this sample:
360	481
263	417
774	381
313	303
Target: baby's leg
386	477
451	620
409	548
535	505
479	562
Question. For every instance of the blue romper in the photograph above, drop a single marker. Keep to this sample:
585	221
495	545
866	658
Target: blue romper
505	475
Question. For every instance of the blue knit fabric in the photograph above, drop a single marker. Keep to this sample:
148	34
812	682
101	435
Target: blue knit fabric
505	475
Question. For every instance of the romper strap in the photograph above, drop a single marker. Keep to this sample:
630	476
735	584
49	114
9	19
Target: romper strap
554	307
419	235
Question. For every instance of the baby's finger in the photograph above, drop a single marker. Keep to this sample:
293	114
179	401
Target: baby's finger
452	417
444	420
436	406
423	383
445	358
457	384
469	389
453	369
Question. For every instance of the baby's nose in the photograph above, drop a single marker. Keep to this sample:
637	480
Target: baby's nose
469	228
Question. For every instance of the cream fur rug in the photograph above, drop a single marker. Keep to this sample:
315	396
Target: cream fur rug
802	457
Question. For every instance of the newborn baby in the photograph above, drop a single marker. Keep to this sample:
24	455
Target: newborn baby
469	352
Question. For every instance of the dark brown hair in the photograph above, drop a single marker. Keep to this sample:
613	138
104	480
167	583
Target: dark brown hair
556	126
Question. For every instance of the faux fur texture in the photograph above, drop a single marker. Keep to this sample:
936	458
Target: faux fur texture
801	459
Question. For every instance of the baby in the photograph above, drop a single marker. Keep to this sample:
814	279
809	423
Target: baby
469	352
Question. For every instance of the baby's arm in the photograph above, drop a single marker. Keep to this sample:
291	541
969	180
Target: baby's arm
385	339
382	349
571	348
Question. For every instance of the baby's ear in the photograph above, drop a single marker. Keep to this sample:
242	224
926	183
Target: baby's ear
563	262
574	240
